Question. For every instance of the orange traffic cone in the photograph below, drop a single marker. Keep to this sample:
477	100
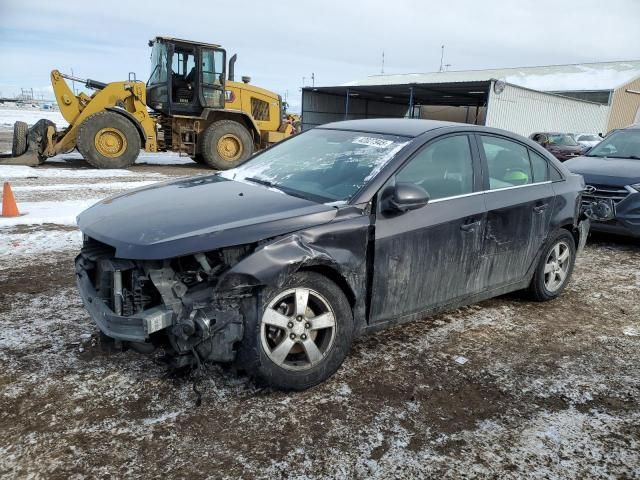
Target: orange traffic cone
9	206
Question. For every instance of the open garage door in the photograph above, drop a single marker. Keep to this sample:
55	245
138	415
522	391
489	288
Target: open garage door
331	104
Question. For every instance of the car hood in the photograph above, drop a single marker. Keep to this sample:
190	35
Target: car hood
195	215
606	171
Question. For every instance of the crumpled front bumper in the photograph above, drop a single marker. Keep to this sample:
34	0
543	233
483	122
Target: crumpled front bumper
135	328
626	218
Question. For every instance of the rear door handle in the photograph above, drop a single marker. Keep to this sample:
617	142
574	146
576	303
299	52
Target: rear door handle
470	227
540	208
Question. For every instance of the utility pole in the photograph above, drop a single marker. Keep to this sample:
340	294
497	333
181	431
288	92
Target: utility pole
303	79
382	69
313	79
441	57
73	84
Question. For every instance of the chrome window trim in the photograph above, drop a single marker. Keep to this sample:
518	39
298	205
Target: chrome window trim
456	196
488	191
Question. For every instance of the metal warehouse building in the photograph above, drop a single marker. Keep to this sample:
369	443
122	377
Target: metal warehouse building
591	97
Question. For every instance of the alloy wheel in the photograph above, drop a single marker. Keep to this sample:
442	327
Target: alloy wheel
298	329
556	267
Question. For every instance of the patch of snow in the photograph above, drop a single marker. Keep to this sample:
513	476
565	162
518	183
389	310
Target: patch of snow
37	213
631	331
163	158
8	116
161	418
83	186
581	77
38	242
19	171
145	158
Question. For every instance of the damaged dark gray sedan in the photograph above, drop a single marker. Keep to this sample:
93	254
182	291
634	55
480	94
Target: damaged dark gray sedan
345	229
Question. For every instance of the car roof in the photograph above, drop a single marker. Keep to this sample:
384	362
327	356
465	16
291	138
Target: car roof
407	127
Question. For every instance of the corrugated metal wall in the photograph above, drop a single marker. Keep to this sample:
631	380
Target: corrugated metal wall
625	107
319	108
526	111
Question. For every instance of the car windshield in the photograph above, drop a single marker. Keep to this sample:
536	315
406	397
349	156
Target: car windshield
621	144
588	138
321	165
562	139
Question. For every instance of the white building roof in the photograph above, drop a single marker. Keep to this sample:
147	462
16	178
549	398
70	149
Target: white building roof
551	78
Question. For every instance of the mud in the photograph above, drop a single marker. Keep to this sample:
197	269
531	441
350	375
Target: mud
548	390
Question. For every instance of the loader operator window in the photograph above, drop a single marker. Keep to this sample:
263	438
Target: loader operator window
157	85
183	77
213	78
158	64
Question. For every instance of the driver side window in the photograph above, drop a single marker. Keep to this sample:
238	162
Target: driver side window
444	168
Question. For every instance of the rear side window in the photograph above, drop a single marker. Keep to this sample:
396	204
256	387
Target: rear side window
444	168
539	166
507	162
554	175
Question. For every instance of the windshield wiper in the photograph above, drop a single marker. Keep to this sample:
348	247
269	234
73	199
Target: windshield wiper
261	181
288	191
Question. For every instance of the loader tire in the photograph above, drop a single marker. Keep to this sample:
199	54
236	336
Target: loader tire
199	159
108	140
20	140
226	144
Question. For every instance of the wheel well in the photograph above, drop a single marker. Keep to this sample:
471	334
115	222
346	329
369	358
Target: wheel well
136	123
336	278
236	117
575	233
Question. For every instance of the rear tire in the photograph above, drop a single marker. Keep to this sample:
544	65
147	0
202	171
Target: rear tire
226	144
20	139
108	140
315	343
554	267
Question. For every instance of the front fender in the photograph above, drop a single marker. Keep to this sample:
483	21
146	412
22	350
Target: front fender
340	246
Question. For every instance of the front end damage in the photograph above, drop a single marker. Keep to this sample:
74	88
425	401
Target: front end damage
171	303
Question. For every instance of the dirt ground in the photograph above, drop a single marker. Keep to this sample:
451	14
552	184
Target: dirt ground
503	389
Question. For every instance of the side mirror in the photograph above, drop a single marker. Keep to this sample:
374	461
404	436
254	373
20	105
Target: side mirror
405	196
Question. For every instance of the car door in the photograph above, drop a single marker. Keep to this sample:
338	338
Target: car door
519	201
429	256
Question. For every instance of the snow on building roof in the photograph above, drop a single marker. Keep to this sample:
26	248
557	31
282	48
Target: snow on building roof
551	78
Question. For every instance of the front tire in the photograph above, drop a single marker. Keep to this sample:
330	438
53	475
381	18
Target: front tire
226	144
302	336
108	140
554	268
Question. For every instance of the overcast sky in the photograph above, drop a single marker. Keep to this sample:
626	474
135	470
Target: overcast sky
278	43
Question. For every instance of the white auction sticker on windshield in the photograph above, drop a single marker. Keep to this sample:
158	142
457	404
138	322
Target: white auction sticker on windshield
372	142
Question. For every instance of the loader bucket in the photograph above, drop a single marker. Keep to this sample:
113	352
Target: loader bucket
29	145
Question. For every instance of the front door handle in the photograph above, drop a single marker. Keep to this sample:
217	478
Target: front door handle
470	227
540	208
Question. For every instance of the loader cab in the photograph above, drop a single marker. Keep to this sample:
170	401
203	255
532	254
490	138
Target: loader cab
186	77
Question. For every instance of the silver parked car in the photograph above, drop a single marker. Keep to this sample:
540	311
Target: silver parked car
587	139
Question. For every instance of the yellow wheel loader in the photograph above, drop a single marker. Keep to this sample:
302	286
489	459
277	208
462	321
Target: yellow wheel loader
191	104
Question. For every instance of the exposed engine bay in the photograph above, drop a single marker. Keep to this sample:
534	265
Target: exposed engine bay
173	302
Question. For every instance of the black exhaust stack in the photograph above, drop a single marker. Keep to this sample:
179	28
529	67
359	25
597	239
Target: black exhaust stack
232	65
